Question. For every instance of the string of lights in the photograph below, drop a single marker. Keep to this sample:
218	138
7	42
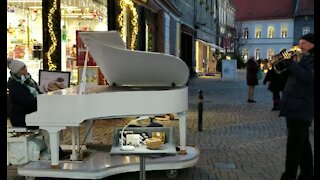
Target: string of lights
134	22
51	65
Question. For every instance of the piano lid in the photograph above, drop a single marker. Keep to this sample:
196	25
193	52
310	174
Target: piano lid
123	67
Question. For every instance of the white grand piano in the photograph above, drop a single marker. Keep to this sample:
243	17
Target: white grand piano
141	83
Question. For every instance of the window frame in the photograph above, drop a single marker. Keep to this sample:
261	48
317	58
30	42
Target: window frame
246	33
271	32
257	51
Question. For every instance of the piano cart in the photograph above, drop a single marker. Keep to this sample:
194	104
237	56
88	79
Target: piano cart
101	164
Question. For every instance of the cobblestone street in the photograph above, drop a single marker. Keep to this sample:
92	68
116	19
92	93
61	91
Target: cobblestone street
239	141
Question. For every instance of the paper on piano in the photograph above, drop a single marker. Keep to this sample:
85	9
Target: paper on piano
123	67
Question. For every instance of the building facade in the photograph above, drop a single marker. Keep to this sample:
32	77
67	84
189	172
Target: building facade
199	24
303	18
262	39
183	28
264	27
226	25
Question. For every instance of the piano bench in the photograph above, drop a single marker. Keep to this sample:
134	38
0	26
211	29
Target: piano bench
20	135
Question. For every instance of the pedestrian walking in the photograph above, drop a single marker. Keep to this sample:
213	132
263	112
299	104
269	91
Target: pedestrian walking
297	105
252	79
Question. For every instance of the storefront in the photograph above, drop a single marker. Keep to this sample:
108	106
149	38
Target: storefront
25	30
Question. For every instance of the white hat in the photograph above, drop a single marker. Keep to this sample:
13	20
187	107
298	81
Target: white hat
15	65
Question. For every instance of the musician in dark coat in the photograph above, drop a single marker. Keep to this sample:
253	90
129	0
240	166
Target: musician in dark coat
252	79
297	105
23	91
276	84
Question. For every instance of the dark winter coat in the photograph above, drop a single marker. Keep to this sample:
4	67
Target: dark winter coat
298	95
252	72
22	102
276	81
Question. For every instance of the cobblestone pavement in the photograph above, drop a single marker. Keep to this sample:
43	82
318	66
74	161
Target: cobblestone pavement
239	141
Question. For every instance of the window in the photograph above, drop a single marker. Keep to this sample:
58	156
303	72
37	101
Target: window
246	33
284	31
258	52
270	53
270	32
245	54
258	32
305	30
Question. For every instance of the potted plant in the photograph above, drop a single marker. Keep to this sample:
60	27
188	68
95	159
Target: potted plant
201	2
207	8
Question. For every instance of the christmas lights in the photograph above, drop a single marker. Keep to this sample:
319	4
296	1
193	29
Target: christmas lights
52	66
134	22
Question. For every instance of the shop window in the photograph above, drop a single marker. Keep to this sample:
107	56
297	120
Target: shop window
284	32
270	32
270	53
258	32
258	52
246	33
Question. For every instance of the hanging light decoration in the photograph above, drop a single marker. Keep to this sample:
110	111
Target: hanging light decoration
52	66
134	22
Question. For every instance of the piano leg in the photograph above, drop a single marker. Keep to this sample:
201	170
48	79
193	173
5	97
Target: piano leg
89	124
54	144
183	131
78	138
75	137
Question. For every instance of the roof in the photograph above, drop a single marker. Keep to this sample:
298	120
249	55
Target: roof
305	7
263	9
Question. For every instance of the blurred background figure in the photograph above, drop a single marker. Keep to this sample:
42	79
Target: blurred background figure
252	80
275	83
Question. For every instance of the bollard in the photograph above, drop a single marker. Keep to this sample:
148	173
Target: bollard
200	109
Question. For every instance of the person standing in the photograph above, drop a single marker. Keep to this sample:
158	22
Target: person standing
252	79
297	106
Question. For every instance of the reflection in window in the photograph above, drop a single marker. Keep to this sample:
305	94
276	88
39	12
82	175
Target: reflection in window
246	33
258	32
270	32
284	32
270	53
258	52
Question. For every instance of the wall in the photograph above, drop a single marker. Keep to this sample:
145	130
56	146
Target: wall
299	23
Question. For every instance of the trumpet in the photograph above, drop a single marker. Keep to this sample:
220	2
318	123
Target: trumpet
283	55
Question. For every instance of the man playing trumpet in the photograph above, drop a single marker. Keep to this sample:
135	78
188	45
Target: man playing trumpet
297	106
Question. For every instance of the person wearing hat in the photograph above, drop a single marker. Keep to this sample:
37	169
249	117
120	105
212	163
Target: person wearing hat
297	106
23	91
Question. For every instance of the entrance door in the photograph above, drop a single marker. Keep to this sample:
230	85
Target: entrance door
186	50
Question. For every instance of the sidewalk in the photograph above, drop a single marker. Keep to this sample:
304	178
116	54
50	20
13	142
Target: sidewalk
239	141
